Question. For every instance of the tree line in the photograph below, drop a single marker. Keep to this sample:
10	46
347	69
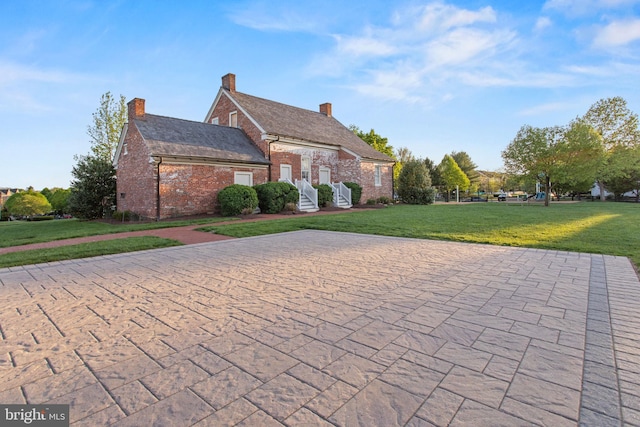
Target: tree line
602	147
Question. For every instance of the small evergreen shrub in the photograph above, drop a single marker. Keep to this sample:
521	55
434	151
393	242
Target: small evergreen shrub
273	196
325	194
371	201
356	191
236	198
121	215
384	200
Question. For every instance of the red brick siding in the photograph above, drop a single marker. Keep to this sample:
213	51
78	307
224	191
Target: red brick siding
136	177
292	155
348	168
369	189
193	189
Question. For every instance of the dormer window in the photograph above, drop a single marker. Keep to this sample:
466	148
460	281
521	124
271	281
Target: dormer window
233	119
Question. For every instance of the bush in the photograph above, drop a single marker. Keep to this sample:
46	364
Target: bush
273	196
371	201
414	184
384	200
121	215
235	198
325	194
418	196
356	192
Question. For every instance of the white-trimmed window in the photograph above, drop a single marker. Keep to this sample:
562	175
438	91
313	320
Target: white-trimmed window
243	178
214	121
324	175
378	175
305	168
233	119
124	149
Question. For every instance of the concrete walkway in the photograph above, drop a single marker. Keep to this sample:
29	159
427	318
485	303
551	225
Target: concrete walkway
324	328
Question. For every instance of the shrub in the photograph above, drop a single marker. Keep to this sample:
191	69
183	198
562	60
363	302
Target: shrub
273	196
290	207
371	201
121	215
325	194
356	192
236	198
414	184
384	200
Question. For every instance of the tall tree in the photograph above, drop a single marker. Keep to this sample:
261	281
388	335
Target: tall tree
403	156
452	175
94	186
414	184
554	153
468	167
436	179
617	126
108	121
378	142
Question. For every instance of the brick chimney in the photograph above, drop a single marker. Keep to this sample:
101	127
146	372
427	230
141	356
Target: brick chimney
229	82
135	108
326	109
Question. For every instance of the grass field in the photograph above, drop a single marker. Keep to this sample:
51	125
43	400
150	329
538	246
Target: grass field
84	250
16	233
606	228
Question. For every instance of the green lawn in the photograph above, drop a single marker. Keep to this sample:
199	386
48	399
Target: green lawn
17	233
84	250
607	228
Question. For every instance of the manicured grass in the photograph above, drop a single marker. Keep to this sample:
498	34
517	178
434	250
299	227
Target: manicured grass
15	233
606	228
85	250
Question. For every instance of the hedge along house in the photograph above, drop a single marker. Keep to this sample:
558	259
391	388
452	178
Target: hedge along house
171	167
167	167
303	144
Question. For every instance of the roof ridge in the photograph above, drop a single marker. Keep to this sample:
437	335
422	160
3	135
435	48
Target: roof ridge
276	102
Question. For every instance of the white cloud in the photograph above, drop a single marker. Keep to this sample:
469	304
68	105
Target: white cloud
617	33
364	46
267	16
542	23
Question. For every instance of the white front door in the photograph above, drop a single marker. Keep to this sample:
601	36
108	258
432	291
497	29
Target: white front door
325	175
285	172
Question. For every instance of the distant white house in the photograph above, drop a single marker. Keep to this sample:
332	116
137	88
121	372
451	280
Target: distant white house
595	192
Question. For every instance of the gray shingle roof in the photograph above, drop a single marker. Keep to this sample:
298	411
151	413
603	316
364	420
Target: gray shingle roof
167	136
293	122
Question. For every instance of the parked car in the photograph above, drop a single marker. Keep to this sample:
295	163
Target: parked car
502	197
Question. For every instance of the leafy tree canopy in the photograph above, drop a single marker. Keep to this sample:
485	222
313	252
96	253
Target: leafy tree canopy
565	154
378	142
93	188
27	203
614	122
468	167
452	175
108	121
414	183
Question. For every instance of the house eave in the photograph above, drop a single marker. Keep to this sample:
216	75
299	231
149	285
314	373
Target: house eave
194	160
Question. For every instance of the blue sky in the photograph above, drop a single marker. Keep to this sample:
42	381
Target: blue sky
432	76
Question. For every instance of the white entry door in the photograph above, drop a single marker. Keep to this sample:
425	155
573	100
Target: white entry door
325	175
285	172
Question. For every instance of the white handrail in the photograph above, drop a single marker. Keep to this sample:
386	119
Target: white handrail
307	189
340	190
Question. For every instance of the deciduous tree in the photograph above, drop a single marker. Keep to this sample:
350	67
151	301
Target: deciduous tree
618	128
108	121
378	142
27	203
452	175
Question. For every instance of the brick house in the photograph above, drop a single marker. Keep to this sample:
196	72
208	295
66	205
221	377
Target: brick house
171	167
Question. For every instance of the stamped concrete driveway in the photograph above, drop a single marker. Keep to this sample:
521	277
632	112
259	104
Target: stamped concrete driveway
323	328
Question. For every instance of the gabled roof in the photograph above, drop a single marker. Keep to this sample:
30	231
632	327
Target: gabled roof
297	123
167	136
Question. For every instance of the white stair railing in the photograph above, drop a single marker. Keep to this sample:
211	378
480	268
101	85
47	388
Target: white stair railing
341	191
308	191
